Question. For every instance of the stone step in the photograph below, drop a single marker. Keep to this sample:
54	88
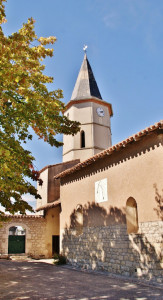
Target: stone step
4	256
19	257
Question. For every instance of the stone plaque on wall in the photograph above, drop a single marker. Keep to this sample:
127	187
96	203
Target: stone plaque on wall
101	192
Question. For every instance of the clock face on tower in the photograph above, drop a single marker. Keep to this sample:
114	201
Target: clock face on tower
100	111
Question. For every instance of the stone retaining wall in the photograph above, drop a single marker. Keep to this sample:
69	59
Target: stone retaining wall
111	249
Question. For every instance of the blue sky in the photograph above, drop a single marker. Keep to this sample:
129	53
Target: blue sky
125	50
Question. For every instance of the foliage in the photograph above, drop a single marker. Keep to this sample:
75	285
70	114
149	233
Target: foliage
25	103
59	259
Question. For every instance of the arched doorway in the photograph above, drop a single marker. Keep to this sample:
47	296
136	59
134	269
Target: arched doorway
131	215
16	240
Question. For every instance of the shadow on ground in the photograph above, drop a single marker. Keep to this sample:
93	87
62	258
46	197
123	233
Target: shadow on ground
35	280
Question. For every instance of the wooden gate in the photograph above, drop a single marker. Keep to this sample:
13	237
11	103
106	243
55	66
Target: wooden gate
16	244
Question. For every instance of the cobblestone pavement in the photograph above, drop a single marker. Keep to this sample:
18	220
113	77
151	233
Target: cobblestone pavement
38	280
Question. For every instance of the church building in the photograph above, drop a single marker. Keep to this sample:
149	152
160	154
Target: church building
102	206
108	198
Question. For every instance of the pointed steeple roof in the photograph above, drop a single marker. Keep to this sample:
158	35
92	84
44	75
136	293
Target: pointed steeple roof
86	86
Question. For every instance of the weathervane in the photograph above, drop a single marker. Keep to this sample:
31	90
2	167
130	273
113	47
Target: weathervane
85	48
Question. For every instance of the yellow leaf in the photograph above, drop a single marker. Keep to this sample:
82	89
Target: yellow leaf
17	79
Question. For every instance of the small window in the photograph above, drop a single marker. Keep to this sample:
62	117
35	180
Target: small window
131	215
82	139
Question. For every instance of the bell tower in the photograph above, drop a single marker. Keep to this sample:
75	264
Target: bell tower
87	107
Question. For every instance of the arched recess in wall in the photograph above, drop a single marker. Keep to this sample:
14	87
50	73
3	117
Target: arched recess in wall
131	215
82	139
79	220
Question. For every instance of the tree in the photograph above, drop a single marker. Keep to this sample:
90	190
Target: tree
25	103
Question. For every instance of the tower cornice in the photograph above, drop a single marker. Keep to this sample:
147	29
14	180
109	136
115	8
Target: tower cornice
95	100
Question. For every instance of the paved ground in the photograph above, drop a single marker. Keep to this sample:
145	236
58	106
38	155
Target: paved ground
38	280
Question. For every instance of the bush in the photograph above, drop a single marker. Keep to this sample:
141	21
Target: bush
56	256
59	259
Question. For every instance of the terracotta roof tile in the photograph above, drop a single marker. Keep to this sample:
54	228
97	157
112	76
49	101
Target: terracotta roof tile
111	150
49	205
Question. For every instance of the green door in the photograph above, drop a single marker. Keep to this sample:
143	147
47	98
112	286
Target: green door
16	244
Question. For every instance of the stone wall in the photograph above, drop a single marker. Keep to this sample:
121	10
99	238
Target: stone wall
111	249
35	245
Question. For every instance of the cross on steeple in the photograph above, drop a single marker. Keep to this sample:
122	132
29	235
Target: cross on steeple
85	48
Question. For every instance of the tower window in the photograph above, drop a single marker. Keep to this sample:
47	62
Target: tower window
82	139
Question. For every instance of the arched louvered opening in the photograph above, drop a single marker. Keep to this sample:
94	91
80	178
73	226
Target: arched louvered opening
131	215
82	135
